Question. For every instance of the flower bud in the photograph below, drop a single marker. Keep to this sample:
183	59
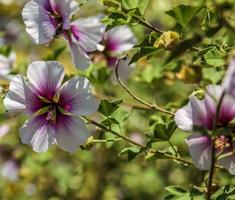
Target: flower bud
167	40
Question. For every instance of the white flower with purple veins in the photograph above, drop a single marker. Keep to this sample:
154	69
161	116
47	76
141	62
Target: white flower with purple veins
54	108
202	113
116	42
47	19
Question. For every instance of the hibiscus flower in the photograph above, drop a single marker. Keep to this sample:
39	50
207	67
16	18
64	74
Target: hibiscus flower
54	109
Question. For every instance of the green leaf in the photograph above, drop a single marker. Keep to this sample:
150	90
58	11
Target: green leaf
115	18
225	193
183	14
132	4
5	50
183	47
212	74
148	40
101	75
121	115
146	48
107	108
163	132
214	57
177	193
145	51
151	72
109	121
131	152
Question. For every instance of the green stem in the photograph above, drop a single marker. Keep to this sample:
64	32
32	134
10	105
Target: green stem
147	24
153	151
173	148
137	144
213	156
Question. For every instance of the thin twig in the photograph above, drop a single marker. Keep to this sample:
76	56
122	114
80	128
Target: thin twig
150	150
137	144
152	107
173	148
148	25
125	103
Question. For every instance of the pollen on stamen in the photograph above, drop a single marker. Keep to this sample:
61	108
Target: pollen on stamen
221	142
51	115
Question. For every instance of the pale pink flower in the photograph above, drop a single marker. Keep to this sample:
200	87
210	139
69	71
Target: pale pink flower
201	113
54	108
10	170
117	41
47	19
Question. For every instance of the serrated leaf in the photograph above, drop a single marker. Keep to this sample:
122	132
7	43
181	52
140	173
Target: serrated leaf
183	46
214	57
131	152
144	51
177	193
183	14
212	74
225	193
107	108
132	4
163	132
148	40
109	121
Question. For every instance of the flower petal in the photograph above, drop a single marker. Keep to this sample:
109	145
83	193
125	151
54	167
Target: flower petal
37	133
80	58
76	97
46	77
200	150
120	39
229	79
66	9
88	32
227	108
38	23
20	96
71	133
192	114
228	163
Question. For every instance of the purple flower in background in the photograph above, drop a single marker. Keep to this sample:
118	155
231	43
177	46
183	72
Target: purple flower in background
117	41
202	113
47	19
85	36
6	64
54	109
10	170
